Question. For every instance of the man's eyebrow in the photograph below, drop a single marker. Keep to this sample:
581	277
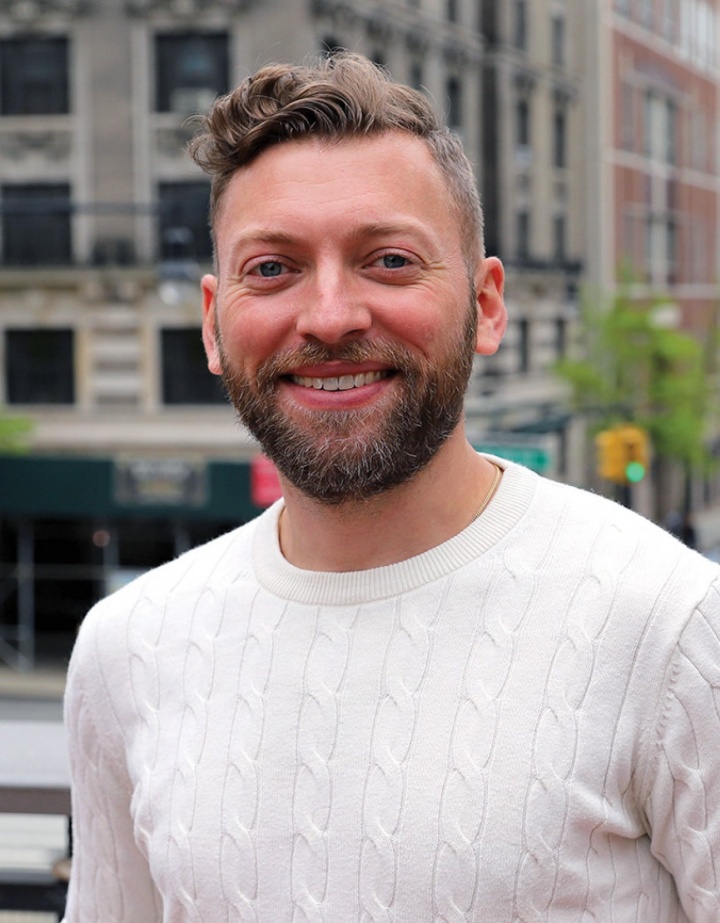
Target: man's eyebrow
401	227
262	236
276	236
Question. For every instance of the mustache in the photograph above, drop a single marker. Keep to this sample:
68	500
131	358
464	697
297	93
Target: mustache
283	363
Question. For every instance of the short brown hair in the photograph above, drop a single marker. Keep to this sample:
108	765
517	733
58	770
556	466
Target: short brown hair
336	97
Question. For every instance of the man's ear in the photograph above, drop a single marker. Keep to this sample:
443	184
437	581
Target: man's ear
492	313
209	324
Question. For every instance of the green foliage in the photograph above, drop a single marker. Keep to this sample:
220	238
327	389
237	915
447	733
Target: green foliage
634	369
13	433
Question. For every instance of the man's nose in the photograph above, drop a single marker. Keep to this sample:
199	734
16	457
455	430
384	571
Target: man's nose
333	308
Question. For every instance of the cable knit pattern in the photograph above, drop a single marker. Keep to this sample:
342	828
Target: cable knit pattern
240	799
316	742
519	725
404	670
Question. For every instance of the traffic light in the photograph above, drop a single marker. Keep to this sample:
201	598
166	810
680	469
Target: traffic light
623	454
635	442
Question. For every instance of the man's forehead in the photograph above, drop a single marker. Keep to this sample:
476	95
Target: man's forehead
393	159
398	148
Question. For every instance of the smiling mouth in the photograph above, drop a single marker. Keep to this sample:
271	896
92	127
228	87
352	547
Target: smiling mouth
340	382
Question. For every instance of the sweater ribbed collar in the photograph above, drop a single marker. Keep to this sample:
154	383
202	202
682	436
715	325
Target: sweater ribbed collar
354	587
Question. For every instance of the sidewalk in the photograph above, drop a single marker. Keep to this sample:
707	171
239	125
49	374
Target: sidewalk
41	683
31	842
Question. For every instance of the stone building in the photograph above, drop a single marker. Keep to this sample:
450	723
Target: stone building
134	454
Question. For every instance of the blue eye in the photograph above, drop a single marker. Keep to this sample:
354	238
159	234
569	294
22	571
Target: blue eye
394	261
270	268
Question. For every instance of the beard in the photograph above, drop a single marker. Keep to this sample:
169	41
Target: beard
336	456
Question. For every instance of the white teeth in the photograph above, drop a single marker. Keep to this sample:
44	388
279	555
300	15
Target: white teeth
342	383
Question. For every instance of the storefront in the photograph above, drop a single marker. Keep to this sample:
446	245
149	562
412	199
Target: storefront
73	529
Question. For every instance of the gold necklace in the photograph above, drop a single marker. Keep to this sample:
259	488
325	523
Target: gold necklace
489	495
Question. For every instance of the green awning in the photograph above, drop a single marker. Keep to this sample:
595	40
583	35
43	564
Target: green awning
124	487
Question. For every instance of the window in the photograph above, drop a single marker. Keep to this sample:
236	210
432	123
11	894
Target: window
523	234
670	20
452	10
34	76
36	224
520	24
39	366
646	13
416	75
560	337
706	35
670	141
560	139
627	128
192	69
185	375
661	246
524	345
183	221
660	127
560	237
523	123
558	41
454	97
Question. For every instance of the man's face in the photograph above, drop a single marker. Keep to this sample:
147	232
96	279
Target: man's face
344	318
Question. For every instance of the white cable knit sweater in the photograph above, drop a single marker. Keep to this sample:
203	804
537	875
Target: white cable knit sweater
522	724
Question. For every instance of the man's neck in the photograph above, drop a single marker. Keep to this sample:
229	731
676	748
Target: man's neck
394	526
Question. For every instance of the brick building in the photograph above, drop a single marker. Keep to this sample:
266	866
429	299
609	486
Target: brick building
652	174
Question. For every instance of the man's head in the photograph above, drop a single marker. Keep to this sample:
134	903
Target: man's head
335	98
349	298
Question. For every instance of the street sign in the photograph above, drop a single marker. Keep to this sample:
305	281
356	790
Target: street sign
160	481
533	456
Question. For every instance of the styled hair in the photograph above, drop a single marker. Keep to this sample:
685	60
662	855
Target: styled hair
332	98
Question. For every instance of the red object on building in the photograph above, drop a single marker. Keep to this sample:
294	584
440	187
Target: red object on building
265	487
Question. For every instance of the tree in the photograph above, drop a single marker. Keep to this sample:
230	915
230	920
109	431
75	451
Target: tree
13	433
635	368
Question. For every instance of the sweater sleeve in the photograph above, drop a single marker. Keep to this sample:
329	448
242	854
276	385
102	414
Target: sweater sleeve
683	804
110	880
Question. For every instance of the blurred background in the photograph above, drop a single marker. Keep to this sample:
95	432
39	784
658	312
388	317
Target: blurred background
593	127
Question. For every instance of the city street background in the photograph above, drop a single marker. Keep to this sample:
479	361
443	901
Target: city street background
31	842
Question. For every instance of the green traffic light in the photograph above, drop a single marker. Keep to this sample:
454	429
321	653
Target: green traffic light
635	472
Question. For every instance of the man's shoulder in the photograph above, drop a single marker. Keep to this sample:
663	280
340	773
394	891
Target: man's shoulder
204	568
152	618
210	561
616	535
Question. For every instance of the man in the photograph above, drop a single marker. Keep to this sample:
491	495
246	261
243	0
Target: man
428	685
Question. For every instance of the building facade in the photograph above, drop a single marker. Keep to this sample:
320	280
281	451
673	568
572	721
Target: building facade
530	151
652	176
135	454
